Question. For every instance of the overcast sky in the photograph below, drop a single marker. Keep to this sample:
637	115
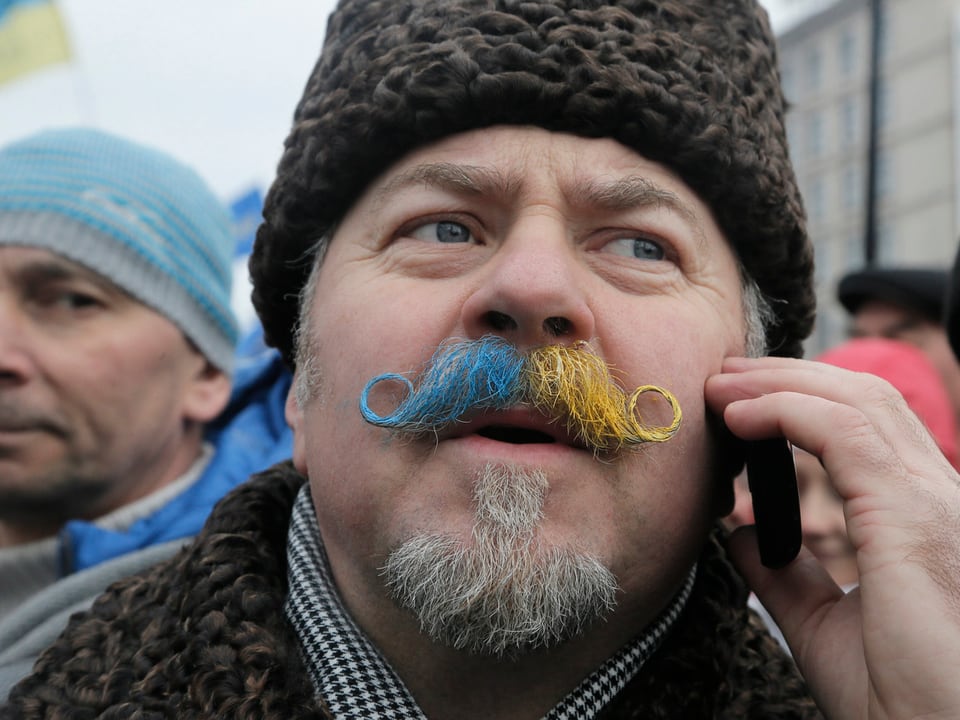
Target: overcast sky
213	82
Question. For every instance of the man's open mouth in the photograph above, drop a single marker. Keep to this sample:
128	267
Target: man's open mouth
515	435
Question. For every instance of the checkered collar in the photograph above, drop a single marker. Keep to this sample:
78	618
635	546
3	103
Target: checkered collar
355	680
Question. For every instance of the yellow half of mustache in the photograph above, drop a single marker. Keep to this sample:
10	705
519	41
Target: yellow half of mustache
575	384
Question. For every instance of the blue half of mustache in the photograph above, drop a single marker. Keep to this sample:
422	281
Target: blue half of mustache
462	376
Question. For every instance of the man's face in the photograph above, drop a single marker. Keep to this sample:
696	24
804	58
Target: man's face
96	393
540	238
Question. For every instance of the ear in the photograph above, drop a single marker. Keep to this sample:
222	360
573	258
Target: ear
294	415
207	393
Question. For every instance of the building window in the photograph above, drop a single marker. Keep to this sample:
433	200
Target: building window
883	104
852	187
815	133
885	175
883	35
855	252
848	52
788	81
886	239
849	122
823	267
793	129
816	200
814	67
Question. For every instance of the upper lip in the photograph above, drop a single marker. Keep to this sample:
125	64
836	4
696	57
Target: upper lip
519	425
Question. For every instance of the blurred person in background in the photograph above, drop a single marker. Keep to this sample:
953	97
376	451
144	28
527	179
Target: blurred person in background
118	427
905	304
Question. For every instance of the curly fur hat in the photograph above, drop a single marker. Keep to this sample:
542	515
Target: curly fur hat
692	84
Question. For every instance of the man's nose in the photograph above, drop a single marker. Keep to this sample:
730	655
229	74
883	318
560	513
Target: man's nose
15	360
533	290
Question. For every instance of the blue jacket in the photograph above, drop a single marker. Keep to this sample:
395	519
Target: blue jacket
250	435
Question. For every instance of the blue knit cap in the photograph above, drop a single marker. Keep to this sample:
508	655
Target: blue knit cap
131	214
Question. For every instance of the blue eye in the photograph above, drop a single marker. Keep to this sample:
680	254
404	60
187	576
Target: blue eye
638	248
443	232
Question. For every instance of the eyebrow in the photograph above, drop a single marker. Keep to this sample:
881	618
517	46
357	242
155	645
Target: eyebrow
634	192
622	194
468	179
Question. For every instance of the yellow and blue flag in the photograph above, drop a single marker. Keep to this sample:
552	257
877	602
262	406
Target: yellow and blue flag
32	35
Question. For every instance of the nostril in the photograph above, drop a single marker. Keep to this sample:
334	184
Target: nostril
500	321
557	326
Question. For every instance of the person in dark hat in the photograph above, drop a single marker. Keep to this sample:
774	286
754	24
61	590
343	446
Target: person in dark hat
905	304
524	258
917	293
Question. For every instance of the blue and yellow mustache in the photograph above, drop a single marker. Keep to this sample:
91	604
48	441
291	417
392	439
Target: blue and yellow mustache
569	384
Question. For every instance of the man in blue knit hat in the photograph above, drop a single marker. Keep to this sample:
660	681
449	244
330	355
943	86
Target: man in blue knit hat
116	355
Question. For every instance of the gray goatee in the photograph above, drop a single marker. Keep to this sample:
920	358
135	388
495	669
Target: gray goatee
506	593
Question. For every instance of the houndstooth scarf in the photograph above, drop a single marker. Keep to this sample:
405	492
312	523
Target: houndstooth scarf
355	680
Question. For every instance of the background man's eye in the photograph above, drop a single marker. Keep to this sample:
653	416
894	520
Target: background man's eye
639	248
445	232
76	301
64	299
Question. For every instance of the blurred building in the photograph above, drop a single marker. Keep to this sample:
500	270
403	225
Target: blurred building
825	64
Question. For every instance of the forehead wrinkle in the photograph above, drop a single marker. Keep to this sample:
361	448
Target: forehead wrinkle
452	177
634	192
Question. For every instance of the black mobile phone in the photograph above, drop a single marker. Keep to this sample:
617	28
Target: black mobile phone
772	477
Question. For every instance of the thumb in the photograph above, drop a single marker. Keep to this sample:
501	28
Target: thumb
821	625
794	594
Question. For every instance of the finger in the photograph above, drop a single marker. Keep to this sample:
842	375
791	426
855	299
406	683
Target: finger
836	433
879	402
865	405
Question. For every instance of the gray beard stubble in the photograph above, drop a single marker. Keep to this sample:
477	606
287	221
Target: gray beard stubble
506	593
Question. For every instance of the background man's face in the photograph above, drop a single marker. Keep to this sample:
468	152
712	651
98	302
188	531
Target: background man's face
539	237
95	389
